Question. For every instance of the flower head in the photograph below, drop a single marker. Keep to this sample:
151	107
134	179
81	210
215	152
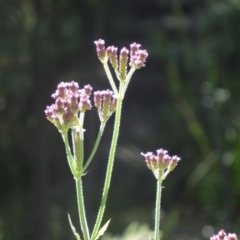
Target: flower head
69	101
138	58
223	236
135	58
161	163
106	104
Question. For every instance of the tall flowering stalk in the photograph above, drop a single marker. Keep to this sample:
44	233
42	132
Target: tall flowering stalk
161	165
120	65
68	113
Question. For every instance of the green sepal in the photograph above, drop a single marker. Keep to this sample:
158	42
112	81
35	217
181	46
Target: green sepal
73	228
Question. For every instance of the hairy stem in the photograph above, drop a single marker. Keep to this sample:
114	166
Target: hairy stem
100	133
110	163
81	209
158	209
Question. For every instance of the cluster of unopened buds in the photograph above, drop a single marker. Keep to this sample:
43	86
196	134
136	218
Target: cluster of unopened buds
71	101
106	103
161	163
223	236
136	57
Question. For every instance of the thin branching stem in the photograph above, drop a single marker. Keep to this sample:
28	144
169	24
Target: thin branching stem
110	78
69	154
100	133
110	163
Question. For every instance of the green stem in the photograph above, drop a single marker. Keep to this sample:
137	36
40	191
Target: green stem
158	209
128	78
81	209
110	78
110	162
69	154
100	133
81	147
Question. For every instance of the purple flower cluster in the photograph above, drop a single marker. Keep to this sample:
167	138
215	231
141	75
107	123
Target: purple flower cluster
106	104
69	101
137	56
223	236
160	162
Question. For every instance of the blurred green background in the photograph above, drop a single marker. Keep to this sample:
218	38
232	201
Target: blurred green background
185	100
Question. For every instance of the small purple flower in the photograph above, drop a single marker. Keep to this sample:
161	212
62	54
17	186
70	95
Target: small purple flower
60	105
232	236
173	162
73	101
88	89
84	104
151	160
134	47
61	90
50	113
73	86
68	117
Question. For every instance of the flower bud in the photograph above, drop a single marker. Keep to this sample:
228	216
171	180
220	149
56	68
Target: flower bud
61	91
133	48
113	104
138	59
112	54
123	60
84	104
98	100
173	162
100	47
73	86
88	89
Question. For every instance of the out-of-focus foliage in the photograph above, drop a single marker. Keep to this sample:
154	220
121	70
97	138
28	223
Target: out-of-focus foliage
186	100
133	232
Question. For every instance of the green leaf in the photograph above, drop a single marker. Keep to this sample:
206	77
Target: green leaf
103	229
73	228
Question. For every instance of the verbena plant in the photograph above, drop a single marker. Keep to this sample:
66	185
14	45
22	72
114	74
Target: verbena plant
68	113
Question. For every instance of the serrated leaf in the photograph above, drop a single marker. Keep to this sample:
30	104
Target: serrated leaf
73	228
103	229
